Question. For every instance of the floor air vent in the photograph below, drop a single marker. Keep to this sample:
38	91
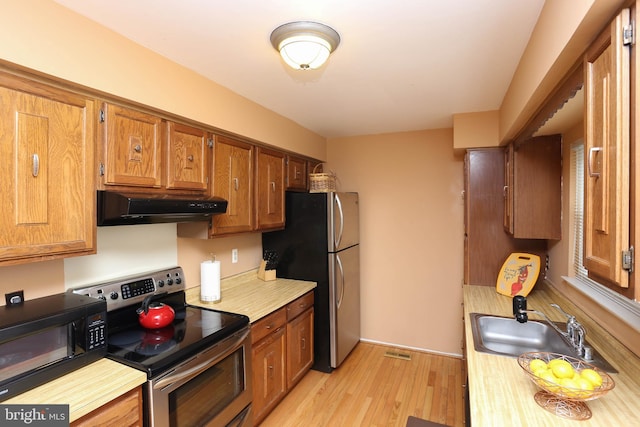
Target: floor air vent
397	355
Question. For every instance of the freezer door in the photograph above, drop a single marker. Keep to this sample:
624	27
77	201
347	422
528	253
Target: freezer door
344	302
343	212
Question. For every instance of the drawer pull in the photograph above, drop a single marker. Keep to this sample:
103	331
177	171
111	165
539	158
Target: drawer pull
590	162
35	159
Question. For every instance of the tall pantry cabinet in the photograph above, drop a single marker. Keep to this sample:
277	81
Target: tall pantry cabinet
486	243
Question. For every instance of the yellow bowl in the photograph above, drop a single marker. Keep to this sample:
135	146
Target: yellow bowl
563	391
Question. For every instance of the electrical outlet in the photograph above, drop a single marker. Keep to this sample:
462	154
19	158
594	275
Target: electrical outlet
14	298
234	256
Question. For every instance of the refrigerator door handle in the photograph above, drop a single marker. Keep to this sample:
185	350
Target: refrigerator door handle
341	294
339	237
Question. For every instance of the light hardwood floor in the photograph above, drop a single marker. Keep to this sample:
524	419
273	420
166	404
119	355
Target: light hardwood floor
371	389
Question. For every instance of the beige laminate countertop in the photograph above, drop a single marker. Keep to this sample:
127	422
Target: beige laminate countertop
248	295
502	395
84	389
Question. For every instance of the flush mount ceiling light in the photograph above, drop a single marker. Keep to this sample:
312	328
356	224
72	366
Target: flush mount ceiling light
305	44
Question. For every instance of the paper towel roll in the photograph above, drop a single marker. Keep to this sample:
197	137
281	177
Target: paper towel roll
210	281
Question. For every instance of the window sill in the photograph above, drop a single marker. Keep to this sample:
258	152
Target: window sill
625	309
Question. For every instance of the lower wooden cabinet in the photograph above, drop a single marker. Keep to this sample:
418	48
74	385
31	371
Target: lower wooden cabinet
282	352
125	411
269	373
299	347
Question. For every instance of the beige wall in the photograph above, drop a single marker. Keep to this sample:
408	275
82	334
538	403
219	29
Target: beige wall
44	36
480	129
564	30
411	235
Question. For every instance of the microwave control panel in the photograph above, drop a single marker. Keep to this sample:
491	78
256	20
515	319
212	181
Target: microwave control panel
134	289
96	331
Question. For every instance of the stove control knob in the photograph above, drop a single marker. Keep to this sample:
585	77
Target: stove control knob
113	295
160	283
178	280
169	281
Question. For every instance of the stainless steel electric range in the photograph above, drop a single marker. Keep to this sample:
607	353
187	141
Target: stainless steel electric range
198	367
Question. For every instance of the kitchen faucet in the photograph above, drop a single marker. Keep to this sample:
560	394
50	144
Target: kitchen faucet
575	332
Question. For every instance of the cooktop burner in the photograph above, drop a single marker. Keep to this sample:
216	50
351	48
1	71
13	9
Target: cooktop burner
155	350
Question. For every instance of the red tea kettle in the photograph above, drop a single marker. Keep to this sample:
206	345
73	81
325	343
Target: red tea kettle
155	315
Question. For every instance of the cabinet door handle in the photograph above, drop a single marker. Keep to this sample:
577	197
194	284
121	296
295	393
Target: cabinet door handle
304	344
504	191
190	158
590	162
137	148
35	159
236	184
273	186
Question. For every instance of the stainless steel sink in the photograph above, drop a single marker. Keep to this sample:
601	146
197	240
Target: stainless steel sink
505	336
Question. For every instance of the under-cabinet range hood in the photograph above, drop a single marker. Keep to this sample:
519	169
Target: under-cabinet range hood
116	208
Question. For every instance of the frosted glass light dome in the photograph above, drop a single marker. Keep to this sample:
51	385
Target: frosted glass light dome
305	45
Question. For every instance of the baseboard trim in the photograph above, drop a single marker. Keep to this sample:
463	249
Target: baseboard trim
422	350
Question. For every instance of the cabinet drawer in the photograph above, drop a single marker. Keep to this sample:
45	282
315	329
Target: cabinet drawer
268	324
123	411
296	307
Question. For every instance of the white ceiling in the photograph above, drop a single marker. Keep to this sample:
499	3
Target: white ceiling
401	65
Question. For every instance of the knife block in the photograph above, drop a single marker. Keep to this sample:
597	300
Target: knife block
264	274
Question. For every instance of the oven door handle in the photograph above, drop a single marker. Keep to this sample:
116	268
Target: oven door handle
228	347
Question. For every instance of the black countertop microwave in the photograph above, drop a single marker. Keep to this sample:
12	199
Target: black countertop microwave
44	338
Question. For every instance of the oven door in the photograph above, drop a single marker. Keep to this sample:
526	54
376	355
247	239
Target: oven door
211	389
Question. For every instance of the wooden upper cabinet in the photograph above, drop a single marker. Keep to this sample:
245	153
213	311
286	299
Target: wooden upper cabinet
296	173
233	181
606	209
187	157
270	172
47	181
132	143
533	188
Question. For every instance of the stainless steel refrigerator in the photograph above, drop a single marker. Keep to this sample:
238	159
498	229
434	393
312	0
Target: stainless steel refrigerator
320	243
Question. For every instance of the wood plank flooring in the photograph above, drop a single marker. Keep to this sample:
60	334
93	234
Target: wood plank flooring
371	389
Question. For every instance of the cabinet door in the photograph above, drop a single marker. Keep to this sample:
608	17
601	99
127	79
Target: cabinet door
233	181
299	347
296	173
132	142
47	184
606	209
508	189
187	157
534	189
269	189
269	374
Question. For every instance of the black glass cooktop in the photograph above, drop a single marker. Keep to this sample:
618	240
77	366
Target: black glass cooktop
156	350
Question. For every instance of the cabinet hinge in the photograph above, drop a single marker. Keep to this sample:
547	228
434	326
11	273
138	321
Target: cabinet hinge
101	169
628	260
101	116
628	34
